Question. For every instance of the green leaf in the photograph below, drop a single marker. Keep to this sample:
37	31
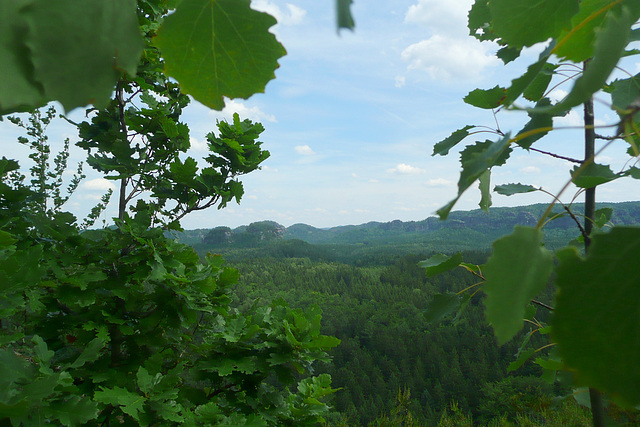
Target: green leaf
130	403
522	358
218	48
591	175
42	351
488	99
576	44
19	90
75	411
521	23
485	190
624	93
538	126
441	306
91	352
476	160
480	21
520	84
511	189
146	382
517	271
609	47
596	316
537	88
344	19
104	37
442	148
508	54
440	263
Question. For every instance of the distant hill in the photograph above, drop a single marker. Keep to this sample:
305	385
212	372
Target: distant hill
464	230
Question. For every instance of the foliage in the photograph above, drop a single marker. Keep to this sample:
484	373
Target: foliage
595	292
123	325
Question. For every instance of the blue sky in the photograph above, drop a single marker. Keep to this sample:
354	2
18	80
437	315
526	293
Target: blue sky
351	120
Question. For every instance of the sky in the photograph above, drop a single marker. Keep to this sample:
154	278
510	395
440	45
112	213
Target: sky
352	117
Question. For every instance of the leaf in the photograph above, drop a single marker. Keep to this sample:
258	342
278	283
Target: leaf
130	403
522	358
440	306
624	93
218	48
43	353
539	125
511	189
592	175
19	90
146	382
520	84
480	21
488	99
508	54
80	49
75	411
476	159
536	89
442	148
609	46
485	190
440	263
576	44
517	271
344	19
521	23
596	317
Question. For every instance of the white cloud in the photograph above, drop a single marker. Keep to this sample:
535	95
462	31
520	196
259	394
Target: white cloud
400	81
441	16
439	182
530	169
100	184
405	169
304	150
252	113
447	58
198	145
294	15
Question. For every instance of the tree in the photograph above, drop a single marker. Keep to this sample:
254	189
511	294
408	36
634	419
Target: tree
596	289
123	325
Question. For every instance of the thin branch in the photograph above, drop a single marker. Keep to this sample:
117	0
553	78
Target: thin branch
556	156
541	304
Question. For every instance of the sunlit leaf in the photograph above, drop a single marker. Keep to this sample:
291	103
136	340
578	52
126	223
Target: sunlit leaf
577	42
80	49
19	90
517	271
527	22
609	46
218	48
596	317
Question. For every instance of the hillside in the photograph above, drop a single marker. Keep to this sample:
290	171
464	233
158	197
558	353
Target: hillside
464	230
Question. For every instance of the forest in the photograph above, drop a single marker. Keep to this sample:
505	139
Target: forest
373	295
503	316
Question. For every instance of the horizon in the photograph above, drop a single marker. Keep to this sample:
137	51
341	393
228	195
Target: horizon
397	219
